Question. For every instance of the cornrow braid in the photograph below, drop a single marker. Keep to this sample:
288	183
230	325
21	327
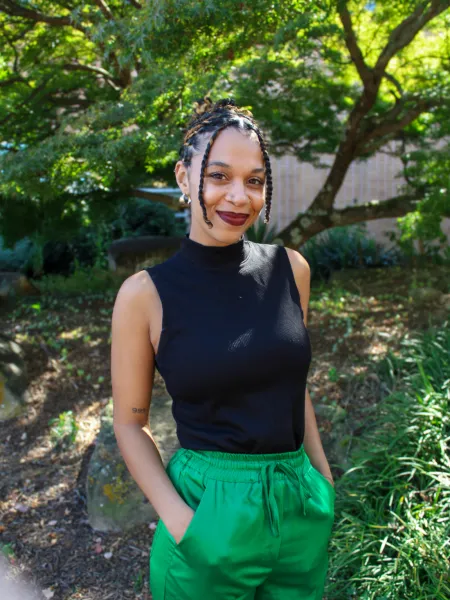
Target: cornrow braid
208	117
202	172
269	185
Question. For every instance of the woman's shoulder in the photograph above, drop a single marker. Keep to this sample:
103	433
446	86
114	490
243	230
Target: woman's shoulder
136	294
298	262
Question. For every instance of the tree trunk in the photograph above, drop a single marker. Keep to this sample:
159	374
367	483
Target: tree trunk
317	219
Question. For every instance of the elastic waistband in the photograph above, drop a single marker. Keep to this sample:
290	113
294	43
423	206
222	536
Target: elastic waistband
228	466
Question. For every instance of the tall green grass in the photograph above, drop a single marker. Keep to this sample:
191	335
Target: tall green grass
392	529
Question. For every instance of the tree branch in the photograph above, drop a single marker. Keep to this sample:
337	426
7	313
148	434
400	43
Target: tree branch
352	45
373	210
393	80
390	126
14	49
16	10
12	81
407	30
33	94
314	221
105	9
110	79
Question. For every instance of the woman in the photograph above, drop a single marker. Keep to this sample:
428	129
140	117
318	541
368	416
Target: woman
246	505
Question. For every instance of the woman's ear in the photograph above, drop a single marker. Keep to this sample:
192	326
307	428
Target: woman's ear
182	177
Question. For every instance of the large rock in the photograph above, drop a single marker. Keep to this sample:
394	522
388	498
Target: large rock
13	380
114	500
129	254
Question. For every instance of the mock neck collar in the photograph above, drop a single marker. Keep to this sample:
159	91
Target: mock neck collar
231	255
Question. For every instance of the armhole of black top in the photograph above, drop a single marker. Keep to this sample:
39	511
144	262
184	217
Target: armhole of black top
292	283
151	272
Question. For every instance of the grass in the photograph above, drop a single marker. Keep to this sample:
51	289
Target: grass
392	530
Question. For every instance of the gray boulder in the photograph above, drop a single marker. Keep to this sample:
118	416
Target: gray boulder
114	500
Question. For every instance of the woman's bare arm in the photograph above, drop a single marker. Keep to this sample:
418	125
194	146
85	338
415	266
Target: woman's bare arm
132	373
312	442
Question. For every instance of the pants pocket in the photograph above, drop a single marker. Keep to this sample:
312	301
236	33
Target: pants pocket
196	518
323	495
324	479
155	537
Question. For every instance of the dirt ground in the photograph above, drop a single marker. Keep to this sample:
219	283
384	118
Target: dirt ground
44	530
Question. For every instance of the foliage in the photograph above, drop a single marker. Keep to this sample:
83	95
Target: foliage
141	217
95	97
87	245
346	247
393	504
431	169
91	280
261	233
18	258
132	218
64	429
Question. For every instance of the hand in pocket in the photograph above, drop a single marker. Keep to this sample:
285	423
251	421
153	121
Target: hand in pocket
180	526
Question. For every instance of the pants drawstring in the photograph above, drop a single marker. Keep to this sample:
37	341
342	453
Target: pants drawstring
267	476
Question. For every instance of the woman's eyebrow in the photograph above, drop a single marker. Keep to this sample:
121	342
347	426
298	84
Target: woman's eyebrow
222	164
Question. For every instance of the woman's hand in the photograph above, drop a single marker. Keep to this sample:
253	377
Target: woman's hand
179	526
330	479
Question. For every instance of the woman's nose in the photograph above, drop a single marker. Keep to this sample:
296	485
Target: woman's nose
238	194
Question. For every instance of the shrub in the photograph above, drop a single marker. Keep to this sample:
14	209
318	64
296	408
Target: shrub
141	217
346	247
18	258
261	232
89	246
84	280
393	505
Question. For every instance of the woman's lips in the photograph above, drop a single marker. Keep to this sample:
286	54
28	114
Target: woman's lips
233	218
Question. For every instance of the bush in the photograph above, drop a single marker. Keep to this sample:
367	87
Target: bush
346	247
20	258
89	246
142	217
393	505
261	232
86	280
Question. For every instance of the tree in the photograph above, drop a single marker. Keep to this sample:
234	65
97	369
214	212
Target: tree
378	81
95	97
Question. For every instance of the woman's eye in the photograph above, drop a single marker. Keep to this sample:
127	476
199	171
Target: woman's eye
219	176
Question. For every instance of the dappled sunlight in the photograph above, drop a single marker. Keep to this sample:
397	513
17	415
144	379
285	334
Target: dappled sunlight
87	419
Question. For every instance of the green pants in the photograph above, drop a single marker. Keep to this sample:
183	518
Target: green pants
260	530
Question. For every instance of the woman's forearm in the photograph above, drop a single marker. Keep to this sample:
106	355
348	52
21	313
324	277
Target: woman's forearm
144	463
312	442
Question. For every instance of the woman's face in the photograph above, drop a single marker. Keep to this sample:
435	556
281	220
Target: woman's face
237	185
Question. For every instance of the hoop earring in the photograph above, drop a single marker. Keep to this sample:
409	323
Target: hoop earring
185	198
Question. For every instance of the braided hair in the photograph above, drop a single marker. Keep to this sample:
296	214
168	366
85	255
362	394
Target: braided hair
216	117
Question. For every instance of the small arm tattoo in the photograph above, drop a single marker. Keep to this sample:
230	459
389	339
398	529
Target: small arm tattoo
139	410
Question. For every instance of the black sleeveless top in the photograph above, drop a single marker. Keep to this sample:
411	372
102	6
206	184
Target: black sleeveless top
234	351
